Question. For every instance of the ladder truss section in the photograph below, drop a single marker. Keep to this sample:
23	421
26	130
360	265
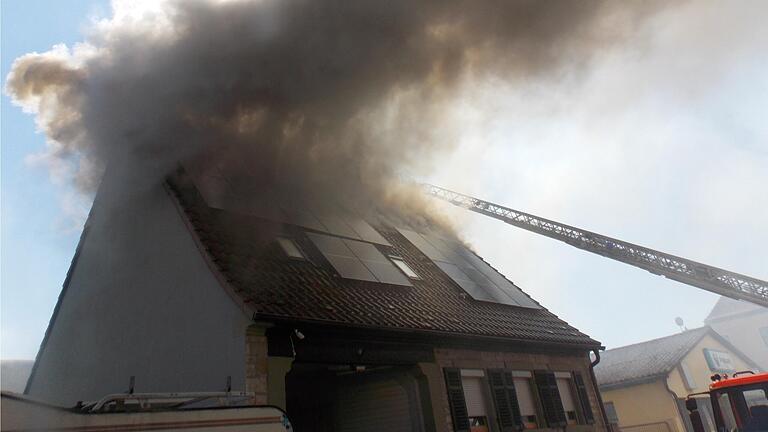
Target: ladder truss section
716	280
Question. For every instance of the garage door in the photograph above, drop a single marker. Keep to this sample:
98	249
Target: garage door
376	405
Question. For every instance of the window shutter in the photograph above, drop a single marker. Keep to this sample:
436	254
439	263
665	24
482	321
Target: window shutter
505	400
581	389
550	398
456	401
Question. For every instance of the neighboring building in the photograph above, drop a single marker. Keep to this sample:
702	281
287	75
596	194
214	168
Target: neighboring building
348	325
743	324
14	374
644	385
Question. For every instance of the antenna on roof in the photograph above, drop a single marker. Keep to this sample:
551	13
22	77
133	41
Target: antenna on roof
681	324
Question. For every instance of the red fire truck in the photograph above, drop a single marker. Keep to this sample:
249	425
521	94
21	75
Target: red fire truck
739	403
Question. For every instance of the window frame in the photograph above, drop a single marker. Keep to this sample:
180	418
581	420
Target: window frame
570	386
280	239
397	260
540	421
611	414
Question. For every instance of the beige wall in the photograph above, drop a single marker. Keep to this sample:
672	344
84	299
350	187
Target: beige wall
743	331
645	407
651	406
470	359
697	365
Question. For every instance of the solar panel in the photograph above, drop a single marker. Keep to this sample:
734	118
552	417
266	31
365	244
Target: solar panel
365	251
341	257
336	225
461	279
358	260
470	272
377	263
386	272
367	232
351	268
422	244
305	219
504	285
218	192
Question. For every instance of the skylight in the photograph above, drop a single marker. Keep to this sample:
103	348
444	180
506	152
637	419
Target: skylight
290	248
404	267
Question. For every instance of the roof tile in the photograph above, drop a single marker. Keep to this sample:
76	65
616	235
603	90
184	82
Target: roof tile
244	250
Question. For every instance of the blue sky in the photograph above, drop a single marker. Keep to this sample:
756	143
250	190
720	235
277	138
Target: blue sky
662	143
37	242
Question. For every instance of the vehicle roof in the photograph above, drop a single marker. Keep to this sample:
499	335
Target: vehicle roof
740	381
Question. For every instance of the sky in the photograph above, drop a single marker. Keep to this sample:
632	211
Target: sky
38	236
661	143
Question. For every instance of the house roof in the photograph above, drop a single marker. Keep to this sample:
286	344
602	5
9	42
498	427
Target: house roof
727	307
645	361
248	259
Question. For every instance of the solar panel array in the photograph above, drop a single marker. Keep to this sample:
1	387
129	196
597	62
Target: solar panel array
358	260
475	276
218	193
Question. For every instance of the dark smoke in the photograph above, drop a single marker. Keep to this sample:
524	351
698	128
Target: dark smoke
318	98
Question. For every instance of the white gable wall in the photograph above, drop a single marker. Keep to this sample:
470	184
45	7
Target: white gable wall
140	301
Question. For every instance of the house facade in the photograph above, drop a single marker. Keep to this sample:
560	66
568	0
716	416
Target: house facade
743	324
346	324
644	385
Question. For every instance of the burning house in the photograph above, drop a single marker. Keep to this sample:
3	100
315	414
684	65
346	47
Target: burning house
347	324
285	254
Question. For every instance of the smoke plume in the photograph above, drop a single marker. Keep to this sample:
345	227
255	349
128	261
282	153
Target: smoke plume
319	99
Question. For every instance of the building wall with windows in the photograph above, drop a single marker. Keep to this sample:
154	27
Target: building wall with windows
657	404
645	407
549	391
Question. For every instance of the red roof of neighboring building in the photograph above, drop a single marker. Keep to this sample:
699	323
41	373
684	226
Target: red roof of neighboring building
275	287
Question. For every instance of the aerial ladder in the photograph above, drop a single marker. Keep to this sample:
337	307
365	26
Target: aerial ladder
727	283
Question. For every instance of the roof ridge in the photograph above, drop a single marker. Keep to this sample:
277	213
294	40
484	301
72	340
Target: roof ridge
697	329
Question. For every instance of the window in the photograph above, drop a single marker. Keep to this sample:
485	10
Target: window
583	399
502	385
719	361
467	398
610	412
564	387
764	334
404	267
549	395
724	403
525	399
453	384
473	382
290	248
688	380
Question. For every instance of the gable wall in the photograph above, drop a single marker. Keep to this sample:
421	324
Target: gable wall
140	301
744	332
697	365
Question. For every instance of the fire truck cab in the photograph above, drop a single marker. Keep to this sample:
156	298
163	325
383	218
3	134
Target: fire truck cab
739	403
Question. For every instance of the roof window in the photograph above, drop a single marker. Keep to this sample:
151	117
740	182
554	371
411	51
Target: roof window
290	248
404	267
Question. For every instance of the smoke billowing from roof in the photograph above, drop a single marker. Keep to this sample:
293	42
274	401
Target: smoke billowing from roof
316	98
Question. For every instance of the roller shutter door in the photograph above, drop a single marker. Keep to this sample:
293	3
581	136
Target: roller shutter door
379	405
